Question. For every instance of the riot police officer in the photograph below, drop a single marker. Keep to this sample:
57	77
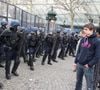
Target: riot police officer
24	44
11	45
64	43
2	28
32	44
71	45
40	47
48	49
56	45
2	54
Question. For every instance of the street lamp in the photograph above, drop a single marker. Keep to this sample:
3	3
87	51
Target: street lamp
89	17
91	20
51	18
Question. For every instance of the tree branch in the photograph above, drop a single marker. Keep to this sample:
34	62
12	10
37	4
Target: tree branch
62	3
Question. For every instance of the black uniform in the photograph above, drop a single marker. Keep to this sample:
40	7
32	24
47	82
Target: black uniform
64	44
2	53
32	44
24	44
71	44
48	49
40	47
11	43
56	45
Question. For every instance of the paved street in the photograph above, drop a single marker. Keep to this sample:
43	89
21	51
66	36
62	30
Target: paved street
59	76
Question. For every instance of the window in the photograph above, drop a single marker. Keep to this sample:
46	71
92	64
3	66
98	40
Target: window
18	14
3	9
11	11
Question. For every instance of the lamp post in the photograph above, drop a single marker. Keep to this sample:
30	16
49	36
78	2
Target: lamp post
91	20
89	17
51	18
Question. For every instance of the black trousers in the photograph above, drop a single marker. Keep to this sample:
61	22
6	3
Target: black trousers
31	56
54	54
62	53
47	53
9	60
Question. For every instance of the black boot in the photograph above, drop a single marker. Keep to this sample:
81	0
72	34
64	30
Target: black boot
15	67
43	60
49	63
32	68
1	86
28	63
34	60
54	60
59	56
66	55
42	63
62	58
8	76
15	73
25	59
7	69
98	85
1	65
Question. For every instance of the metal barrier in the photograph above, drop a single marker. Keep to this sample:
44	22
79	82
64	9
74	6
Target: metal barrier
9	12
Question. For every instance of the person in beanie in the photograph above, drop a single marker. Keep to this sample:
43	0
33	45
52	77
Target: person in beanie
87	56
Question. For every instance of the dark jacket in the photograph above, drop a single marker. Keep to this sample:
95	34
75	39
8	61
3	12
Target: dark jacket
48	42
89	51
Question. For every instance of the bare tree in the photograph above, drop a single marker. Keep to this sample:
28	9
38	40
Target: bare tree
70	6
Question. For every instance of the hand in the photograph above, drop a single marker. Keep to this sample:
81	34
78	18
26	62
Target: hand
87	66
74	67
74	64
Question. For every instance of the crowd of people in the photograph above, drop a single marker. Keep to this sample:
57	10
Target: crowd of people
31	43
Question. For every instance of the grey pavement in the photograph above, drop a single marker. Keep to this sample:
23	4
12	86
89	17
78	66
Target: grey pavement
58	76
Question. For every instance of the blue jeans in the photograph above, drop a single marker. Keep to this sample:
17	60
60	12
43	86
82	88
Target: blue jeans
88	72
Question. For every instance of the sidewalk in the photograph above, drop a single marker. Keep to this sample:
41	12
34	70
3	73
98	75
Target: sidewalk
58	76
